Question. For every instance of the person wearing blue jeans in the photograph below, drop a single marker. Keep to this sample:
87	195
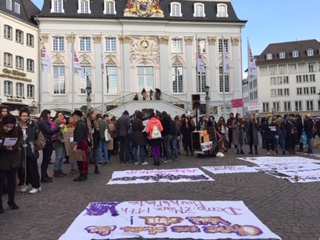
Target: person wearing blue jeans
308	128
281	133
142	155
60	153
103	146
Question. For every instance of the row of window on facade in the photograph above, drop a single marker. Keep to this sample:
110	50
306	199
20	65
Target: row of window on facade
19	62
291	68
145	79
299	79
300	91
295	54
15	6
84	7
19	36
19	90
286	106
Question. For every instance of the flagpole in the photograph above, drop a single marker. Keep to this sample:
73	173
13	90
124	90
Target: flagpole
102	75
248	78
197	67
72	72
223	79
41	75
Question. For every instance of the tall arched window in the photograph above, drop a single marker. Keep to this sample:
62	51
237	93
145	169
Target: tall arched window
175	9
109	7
222	10
199	10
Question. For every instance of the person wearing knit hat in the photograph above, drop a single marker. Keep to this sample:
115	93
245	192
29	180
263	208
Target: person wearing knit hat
308	129
78	113
126	112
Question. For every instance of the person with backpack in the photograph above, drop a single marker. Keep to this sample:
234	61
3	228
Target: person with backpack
154	129
29	178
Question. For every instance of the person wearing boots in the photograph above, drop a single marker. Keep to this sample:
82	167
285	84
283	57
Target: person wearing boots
80	140
252	129
94	136
49	130
270	131
291	130
58	145
154	129
139	141
10	157
229	124
238	133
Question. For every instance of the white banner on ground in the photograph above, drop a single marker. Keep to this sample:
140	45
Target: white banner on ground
277	160
230	169
159	175
171	219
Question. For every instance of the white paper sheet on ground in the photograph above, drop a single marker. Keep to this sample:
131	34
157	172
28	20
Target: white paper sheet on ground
159	175
172	219
287	166
277	160
230	169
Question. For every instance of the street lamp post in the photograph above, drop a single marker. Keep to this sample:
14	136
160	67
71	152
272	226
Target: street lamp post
207	101
89	90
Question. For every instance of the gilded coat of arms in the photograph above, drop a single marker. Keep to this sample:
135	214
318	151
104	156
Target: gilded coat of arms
143	8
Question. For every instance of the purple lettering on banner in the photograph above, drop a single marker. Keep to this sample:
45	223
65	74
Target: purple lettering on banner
101	230
158	177
227	210
100	208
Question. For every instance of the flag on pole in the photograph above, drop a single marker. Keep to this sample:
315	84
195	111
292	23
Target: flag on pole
45	59
103	64
252	68
76	64
226	64
200	62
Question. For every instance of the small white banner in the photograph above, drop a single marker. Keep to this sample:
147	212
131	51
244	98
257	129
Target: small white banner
254	106
278	160
159	175
171	219
230	169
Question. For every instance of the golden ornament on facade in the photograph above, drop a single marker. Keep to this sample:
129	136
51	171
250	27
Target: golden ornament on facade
45	37
188	40
212	40
97	38
235	41
70	38
143	8
163	39
125	38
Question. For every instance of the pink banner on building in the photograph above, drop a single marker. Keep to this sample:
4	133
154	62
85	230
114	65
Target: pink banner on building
237	103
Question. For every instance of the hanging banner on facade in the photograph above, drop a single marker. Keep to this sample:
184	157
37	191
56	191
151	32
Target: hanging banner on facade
161	175
171	219
254	106
237	103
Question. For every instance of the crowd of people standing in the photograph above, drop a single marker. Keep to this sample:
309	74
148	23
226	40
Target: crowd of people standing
135	137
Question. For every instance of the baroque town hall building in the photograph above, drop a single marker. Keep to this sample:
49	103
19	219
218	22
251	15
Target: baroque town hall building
142	44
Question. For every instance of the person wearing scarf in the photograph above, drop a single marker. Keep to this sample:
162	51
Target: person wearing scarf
58	145
94	136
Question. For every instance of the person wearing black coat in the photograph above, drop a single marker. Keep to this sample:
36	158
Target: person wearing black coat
269	134
186	129
291	134
299	129
308	128
49	130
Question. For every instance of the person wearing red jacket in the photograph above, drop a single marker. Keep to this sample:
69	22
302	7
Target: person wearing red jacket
154	129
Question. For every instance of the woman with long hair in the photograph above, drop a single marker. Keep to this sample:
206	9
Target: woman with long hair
80	139
238	133
221	131
4	111
10	157
94	136
186	129
49	130
73	163
252	130
154	129
58	145
30	175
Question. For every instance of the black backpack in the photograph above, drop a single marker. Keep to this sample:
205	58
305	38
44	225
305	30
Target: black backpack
173	127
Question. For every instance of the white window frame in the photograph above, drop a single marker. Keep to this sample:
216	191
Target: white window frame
286	80
7	32
280	92
312	77
17	8
30	65
175	8
19	36
84	6
8	88
7	60
286	92
226	81
299	91
19	62
86	76
310	52
287	106
276	106
85	44
109	7
273	93
313	90
176	45
59	80
202	82
199	10
9	5
30	91
295	53
112	79
20	90
306	91
222	10
177	79
309	105
298	79
111	44
226	45
58	44
298	105
265	107
282	55
273	81
30	40
57	6
269	56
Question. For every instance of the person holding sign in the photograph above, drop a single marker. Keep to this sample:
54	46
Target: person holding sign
10	157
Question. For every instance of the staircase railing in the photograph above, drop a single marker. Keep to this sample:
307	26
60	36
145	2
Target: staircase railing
154	97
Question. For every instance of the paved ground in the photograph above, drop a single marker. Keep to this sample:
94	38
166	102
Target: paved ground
290	210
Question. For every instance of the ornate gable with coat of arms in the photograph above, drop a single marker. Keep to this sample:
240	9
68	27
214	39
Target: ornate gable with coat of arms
143	8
